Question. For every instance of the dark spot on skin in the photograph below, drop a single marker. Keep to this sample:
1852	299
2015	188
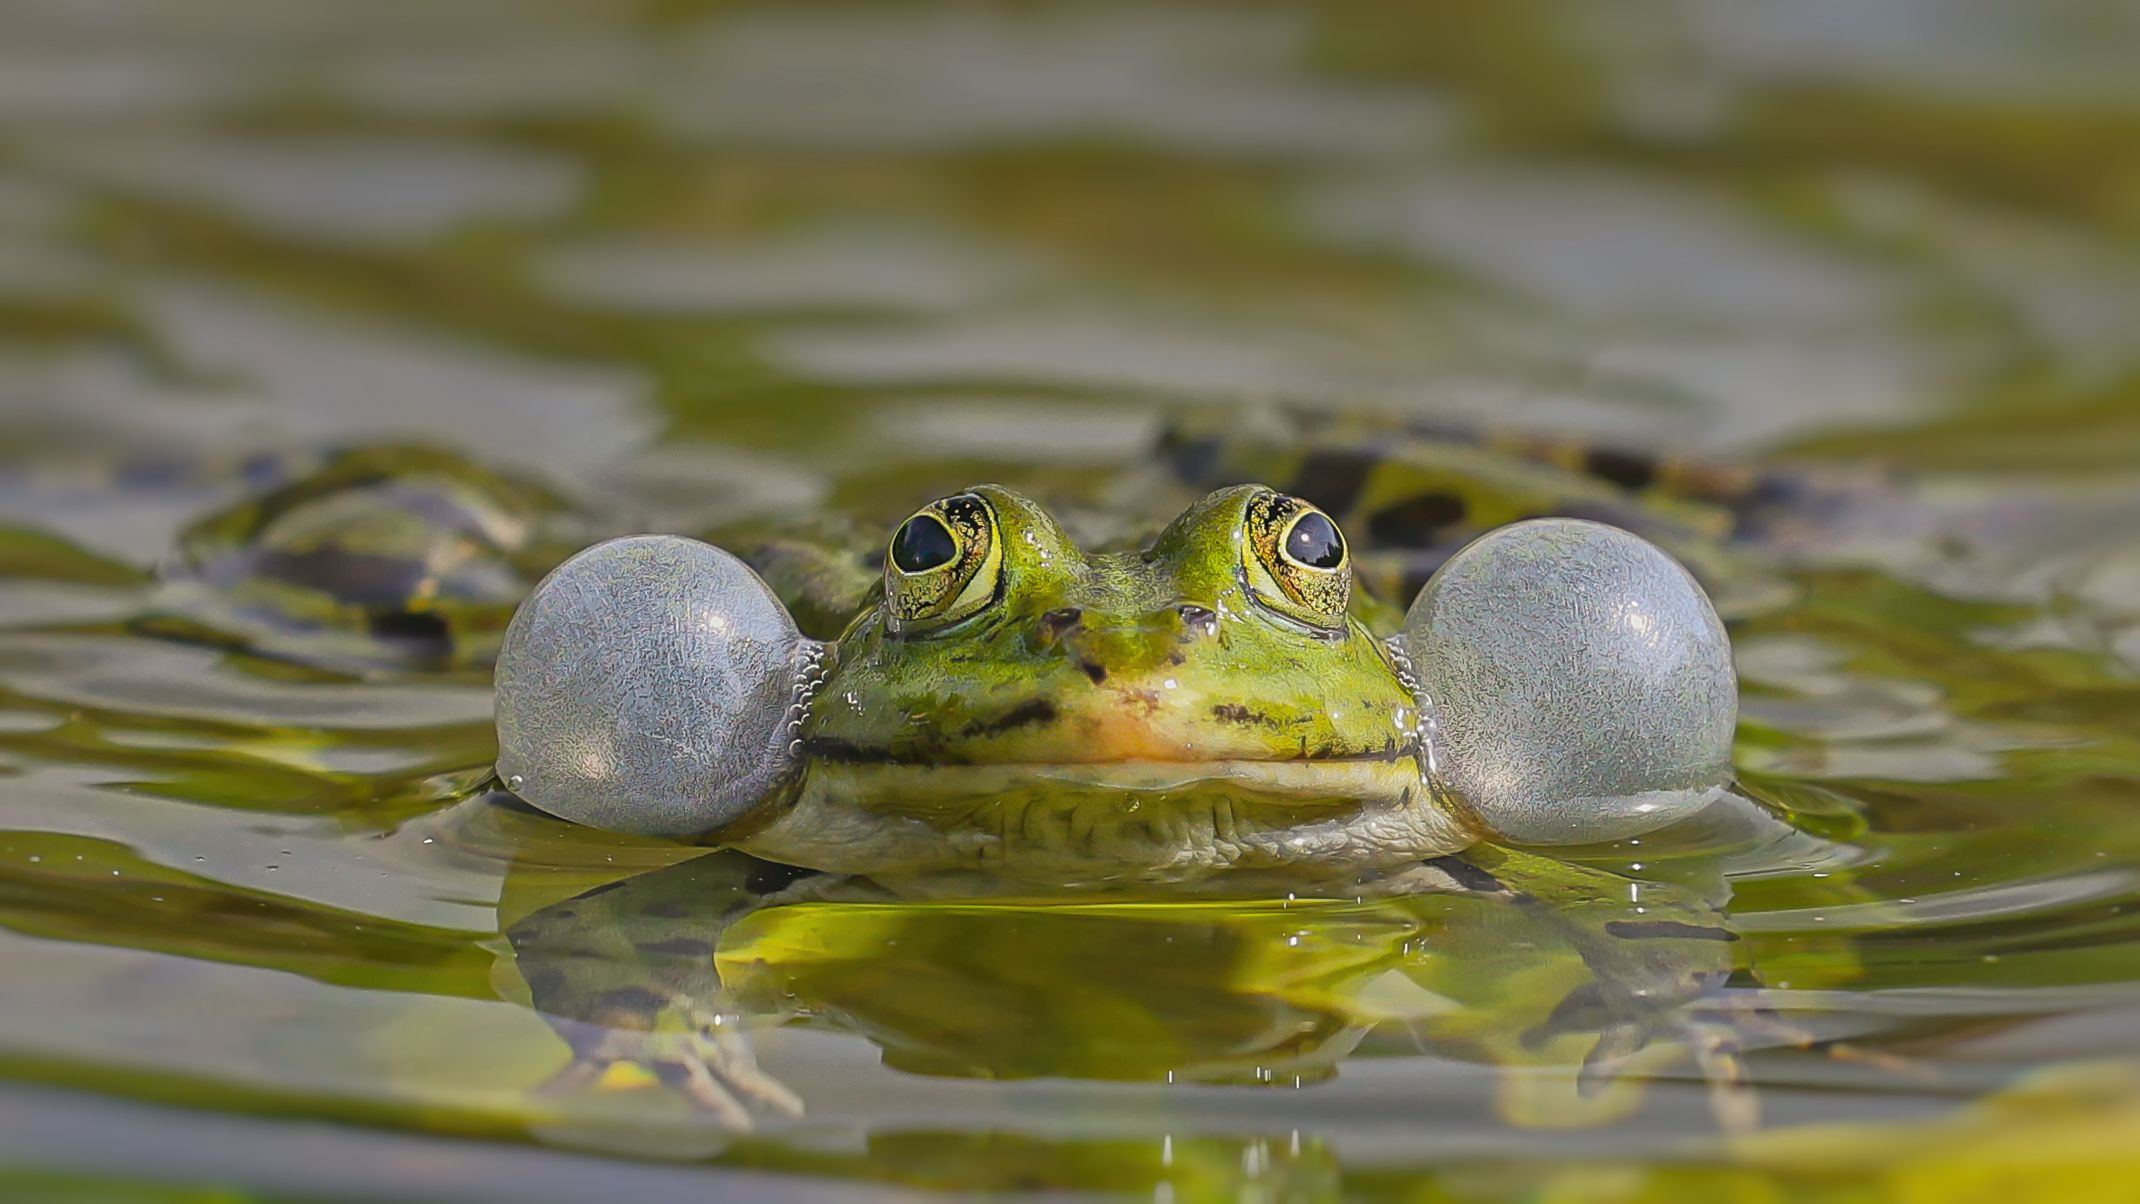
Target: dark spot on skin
1095	671
679	946
1416	522
601	890
670	909
1466	875
1234	712
825	748
1332	480
1629	470
1039	712
1059	621
1199	619
772	876
1649	930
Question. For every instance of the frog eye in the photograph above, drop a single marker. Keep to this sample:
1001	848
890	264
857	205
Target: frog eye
944	562
1313	542
923	543
1300	551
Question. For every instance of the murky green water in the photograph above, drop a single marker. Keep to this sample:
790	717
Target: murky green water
696	264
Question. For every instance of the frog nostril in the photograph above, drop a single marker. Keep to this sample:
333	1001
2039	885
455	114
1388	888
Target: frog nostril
1199	619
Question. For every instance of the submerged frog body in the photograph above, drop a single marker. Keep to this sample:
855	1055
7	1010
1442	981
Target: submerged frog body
393	556
1546	969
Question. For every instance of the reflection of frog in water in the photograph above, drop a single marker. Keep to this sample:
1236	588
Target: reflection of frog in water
1539	966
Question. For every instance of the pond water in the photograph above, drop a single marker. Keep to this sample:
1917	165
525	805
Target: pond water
695	265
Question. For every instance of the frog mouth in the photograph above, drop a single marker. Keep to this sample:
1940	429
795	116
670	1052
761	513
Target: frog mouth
1378	778
847	753
1112	819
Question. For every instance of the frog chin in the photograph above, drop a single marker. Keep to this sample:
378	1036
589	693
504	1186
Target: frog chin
1102	791
1133	820
1367	778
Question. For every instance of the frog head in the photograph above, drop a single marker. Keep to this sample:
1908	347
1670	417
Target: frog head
998	641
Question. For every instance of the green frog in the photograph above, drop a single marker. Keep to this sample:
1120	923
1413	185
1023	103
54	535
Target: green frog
1219	709
1211	706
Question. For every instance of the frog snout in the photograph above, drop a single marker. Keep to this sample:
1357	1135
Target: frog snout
1104	646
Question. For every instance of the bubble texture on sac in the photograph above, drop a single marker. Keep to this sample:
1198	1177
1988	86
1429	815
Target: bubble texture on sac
646	686
1579	683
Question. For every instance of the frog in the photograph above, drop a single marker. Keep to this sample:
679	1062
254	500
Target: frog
1214	710
1207	708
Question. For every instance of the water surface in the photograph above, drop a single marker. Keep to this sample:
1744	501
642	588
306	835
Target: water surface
695	264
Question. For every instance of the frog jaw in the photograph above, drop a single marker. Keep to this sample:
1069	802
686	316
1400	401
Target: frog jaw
1107	823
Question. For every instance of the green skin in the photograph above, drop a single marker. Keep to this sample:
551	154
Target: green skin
1177	715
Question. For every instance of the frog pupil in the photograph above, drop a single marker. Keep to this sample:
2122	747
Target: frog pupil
922	544
1315	542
